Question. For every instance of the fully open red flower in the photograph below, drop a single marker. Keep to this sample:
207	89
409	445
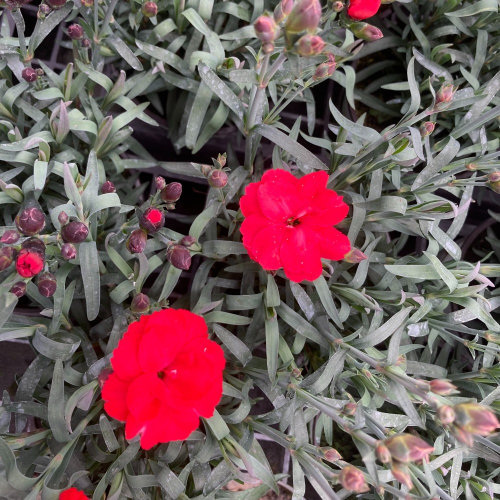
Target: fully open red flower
363	9
29	263
73	494
289	223
167	374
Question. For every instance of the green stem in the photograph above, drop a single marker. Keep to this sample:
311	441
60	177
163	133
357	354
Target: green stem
107	17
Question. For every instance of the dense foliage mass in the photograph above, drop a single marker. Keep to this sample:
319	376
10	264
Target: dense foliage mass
342	303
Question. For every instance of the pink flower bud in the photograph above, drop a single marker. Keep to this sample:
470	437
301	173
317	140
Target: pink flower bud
29	75
282	10
63	218
87	3
442	387
338	6
30	221
18	289
140	303
179	256
75	32
68	251
427	128
149	9
310	45
7	256
331	454
108	187
366	32
43	11
266	29
267	48
407	448
445	96
171	192
494	176
152	220
353	479
74	232
402	474
47	284
476	419
160	183
446	414
85	43
188	241
305	16
137	240
10	237
326	69
355	256
463	436
383	453
217	179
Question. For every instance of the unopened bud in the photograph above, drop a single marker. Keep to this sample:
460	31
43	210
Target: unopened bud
34	245
47	284
74	232
75	32
282	10
40	72
10	237
137	240
68	251
462	436
446	414
266	29
355	256
179	256
87	3
407	448
494	186
160	183
85	43
217	179
30	221
366	32
310	45
7	255
188	241
494	176
29	263
305	16
349	408
331	454
338	6
221	160
171	192
442	387
383	453
43	11
476	419
19	289
472	167
56	4
352	479
445	96
427	128
267	48
63	218
29	75
149	9
402	474
140	303
152	220
108	187
326	69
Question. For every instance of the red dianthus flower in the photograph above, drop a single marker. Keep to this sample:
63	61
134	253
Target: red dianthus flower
29	263
289	223
363	9
167	374
73	494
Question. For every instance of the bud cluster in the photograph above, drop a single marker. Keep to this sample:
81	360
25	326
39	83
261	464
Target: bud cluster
217	175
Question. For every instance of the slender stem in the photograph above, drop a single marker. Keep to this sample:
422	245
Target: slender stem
33	37
107	17
275	67
19	20
96	19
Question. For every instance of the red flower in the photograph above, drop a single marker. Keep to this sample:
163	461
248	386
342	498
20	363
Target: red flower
73	494
167	374
289	223
29	263
363	9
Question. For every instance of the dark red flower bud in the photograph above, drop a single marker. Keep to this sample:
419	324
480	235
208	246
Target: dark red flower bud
7	255
402	474
30	221
408	448
266	29
74	232
353	479
179	256
85	43
310	45
187	241
338	6
427	128
366	32
63	218
171	192
19	289
383	453
75	32
108	187
68	251
43	11
34	245
47	284
137	240
282	11
29	263
10	237
217	179
29	75
331	454
355	256
442	387
446	414
56	4
476	419
326	69
160	183
305	15
140	303
149	9
152	220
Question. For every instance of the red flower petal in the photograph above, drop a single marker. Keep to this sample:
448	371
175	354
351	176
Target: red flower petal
312	185
266	246
249	202
326	209
333	244
278	196
124	360
145	396
250	227
114	392
300	254
72	494
363	9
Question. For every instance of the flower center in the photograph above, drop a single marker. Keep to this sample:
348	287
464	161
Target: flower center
293	221
154	216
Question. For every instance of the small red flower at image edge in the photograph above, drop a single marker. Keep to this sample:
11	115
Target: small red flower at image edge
363	9
167	374
73	494
288	223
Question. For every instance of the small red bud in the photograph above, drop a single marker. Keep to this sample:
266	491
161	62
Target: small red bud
355	256
305	16
85	43
353	479
68	251
108	187
266	29
217	179
326	69
140	303
74	232
442	387
171	192
10	237
137	240
7	255
29	263
446	414
63	218
179	256
188	241
160	183
75	32
29	75
30	221
366	32
445	96
19	289
149	9
331	454
152	220
47	284
310	45
43	11
427	128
